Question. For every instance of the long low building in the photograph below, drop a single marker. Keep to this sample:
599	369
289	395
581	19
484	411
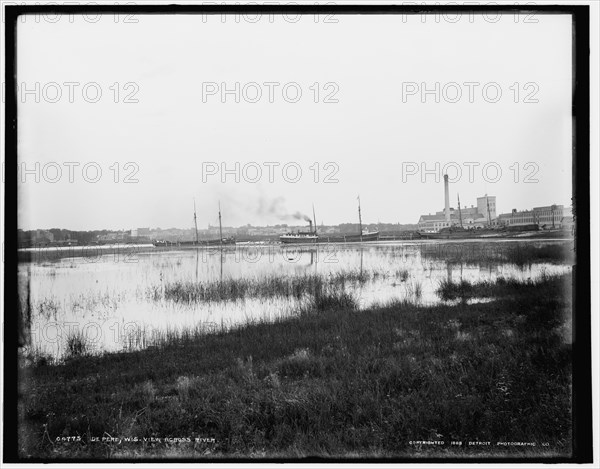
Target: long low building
550	216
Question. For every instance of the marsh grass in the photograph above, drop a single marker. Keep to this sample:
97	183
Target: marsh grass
525	254
270	286
402	275
520	254
77	344
143	337
332	298
414	290
47	307
334	383
463	289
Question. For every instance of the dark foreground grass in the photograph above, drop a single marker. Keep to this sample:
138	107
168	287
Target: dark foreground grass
338	382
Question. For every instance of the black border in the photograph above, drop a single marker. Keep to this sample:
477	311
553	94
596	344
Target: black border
582	378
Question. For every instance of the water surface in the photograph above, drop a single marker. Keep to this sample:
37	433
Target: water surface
108	299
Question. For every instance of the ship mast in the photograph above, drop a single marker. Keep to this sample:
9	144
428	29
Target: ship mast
459	212
359	219
314	218
220	227
195	222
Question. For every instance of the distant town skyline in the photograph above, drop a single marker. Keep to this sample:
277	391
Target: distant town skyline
120	127
294	223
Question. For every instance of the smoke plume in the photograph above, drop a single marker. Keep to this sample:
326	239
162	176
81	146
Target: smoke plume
276	207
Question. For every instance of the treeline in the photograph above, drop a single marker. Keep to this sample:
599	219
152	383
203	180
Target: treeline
58	235
382	227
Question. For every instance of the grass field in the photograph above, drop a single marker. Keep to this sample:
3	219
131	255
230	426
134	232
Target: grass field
334	381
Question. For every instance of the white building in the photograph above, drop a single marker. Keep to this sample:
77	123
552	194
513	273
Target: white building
467	217
548	217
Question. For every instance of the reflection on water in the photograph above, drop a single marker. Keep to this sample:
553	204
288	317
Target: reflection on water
106	299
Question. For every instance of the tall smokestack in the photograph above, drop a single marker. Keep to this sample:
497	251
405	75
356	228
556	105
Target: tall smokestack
446	198
310	224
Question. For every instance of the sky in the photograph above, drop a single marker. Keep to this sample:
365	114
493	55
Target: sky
124	124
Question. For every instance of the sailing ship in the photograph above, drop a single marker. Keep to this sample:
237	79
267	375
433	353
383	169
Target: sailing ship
211	242
364	234
221	241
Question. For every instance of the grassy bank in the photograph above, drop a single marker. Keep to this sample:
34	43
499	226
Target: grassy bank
334	381
518	253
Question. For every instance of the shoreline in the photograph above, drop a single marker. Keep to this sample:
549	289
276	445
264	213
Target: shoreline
48	254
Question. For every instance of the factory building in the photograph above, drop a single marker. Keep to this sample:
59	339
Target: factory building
486	206
551	216
140	232
484	215
470	217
